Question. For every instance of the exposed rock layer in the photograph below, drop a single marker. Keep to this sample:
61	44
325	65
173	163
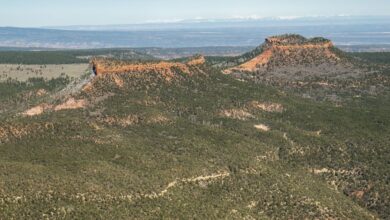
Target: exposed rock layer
289	50
165	68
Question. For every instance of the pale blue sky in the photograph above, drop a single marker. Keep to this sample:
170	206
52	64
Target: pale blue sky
30	13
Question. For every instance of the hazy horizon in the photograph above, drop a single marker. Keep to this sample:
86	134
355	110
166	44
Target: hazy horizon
25	13
174	23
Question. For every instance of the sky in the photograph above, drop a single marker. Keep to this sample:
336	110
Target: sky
38	13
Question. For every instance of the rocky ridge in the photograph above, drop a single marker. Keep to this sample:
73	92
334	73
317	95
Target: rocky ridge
289	50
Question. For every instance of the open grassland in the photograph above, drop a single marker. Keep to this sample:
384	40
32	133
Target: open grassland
24	72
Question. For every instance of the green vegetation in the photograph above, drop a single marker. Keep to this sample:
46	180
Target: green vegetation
376	57
223	62
16	96
153	148
299	39
45	56
38	57
67	56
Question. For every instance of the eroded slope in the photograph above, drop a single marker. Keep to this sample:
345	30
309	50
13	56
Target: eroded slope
201	145
289	50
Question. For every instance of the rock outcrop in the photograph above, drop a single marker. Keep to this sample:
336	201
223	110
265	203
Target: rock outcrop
289	50
70	104
168	69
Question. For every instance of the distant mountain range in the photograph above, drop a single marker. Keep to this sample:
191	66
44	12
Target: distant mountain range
237	21
240	31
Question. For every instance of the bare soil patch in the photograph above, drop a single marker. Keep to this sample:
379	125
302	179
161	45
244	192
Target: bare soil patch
37	110
268	107
239	114
71	104
262	127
